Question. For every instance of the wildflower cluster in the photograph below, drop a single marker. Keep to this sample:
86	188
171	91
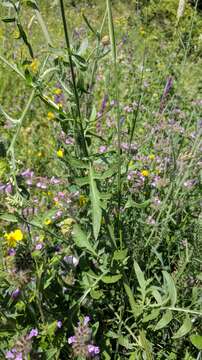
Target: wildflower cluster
81	341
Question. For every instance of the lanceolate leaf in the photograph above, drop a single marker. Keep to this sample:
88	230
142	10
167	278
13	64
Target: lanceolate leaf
111	279
95	203
81	240
170	285
184	329
146	345
164	321
136	308
140	276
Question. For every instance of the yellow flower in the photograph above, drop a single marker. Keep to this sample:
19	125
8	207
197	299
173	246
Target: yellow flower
145	173
60	153
13	237
50	115
47	221
151	156
82	200
57	91
34	65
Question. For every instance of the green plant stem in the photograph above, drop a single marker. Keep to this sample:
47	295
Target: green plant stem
114	57
84	146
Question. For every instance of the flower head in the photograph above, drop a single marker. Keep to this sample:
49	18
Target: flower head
34	65
14	237
145	173
33	333
60	153
15	293
93	350
50	115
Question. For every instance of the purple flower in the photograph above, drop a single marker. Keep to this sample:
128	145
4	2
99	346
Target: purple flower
19	356
8	189
15	293
86	320
102	149
39	246
59	324
33	333
13	354
71	339
11	252
9	355
93	350
27	173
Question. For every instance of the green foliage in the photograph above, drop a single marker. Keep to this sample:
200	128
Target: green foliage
99	180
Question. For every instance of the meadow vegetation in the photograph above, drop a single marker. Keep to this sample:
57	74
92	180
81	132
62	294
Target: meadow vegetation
100	225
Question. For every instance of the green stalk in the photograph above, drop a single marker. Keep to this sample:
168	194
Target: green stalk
114	57
76	95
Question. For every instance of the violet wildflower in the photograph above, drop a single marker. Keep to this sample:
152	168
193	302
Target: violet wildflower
11	252
9	189
93	350
15	294
39	246
33	333
72	340
81	341
102	149
59	324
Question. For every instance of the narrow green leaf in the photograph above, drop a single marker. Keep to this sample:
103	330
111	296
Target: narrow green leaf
93	114
146	345
140	276
196	340
95	203
111	279
170	285
164	321
136	308
81	239
8	217
8	20
184	329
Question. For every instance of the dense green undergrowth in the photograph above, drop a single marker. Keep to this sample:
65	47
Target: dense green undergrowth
100	116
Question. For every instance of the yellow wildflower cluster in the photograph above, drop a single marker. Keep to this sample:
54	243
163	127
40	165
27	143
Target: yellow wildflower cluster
34	65
50	115
145	173
60	153
47	221
57	91
13	237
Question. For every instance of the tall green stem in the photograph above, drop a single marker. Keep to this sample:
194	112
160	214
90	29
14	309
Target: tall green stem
113	45
76	95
